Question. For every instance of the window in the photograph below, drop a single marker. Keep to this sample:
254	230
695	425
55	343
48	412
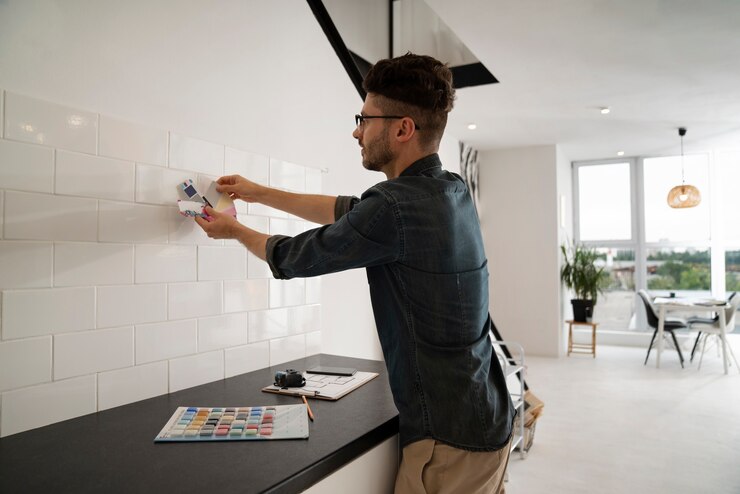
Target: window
604	198
616	305
662	223
621	210
677	270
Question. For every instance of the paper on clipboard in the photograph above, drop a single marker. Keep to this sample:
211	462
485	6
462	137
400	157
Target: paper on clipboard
325	387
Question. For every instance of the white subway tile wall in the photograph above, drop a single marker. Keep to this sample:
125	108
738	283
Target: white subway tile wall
133	142
41	122
79	264
25	264
26	167
48	217
80	174
109	296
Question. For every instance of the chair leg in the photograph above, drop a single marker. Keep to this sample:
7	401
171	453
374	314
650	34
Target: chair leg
678	348
650	347
696	344
703	349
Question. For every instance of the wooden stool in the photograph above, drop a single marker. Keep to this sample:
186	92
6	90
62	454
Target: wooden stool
581	347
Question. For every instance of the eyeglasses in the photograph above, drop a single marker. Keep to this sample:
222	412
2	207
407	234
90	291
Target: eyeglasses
360	119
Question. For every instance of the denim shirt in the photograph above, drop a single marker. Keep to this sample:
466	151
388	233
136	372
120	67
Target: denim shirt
419	238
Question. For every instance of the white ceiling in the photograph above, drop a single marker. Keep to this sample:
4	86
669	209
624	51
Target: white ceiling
658	64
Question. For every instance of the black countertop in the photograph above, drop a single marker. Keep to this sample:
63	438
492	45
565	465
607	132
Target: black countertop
113	451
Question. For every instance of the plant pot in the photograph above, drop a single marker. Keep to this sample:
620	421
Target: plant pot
583	310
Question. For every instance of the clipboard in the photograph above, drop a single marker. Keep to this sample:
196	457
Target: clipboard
325	386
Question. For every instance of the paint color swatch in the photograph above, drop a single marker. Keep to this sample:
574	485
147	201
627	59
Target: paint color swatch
236	423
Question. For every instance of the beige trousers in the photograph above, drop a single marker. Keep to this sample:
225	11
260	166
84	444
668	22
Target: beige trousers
429	466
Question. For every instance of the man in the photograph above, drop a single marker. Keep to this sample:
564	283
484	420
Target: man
418	235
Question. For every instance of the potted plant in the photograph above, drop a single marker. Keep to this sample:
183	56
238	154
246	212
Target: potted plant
580	274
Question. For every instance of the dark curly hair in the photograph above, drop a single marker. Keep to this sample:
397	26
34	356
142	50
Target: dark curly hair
415	85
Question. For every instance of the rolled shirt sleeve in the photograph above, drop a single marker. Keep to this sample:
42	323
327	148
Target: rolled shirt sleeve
364	234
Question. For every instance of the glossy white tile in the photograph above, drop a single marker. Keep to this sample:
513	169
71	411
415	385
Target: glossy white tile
166	340
314	178
257	268
313	290
255	167
304	319
247	358
313	343
268	324
137	223
289	176
25	264
45	217
198	299
26	167
284	293
78	264
240	296
41	122
262	210
133	142
131	304
122	386
222	263
198	369
286	349
45	404
47	311
157	185
2	212
25	362
189	153
258	223
87	352
165	263
2	112
83	175
291	228
222	331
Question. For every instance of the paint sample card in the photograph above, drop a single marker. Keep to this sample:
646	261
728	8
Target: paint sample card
219	201
191	208
192	202
236	424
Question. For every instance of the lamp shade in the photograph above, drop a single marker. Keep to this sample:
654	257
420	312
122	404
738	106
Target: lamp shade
684	196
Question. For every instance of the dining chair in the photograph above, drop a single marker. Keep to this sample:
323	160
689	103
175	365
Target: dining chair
697	321
670	325
713	328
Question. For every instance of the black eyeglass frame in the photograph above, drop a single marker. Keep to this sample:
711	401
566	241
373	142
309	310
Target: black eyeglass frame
360	119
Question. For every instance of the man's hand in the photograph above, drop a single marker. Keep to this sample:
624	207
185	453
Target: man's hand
239	187
218	225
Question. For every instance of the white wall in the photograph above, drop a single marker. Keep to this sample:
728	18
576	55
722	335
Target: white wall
519	219
108	295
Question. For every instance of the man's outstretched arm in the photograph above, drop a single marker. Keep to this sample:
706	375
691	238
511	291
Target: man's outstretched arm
315	208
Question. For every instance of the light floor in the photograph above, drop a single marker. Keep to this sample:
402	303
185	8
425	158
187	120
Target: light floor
612	425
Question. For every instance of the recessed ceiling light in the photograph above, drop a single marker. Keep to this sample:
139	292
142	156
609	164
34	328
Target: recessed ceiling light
472	126
605	110
620	153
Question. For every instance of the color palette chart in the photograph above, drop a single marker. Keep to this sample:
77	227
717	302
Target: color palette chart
236	423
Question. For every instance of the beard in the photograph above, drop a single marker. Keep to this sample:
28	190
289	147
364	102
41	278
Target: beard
377	153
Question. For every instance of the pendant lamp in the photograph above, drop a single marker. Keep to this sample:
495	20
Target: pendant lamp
683	196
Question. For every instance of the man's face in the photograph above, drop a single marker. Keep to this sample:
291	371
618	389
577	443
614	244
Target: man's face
373	136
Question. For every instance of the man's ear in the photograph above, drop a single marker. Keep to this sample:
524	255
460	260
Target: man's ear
406	130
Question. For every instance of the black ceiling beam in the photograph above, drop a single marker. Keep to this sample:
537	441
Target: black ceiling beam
336	41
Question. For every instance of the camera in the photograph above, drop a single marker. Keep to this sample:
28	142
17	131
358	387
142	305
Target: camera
289	378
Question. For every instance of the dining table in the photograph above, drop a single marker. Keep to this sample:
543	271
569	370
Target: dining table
692	305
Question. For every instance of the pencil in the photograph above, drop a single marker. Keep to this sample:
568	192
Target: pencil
308	408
